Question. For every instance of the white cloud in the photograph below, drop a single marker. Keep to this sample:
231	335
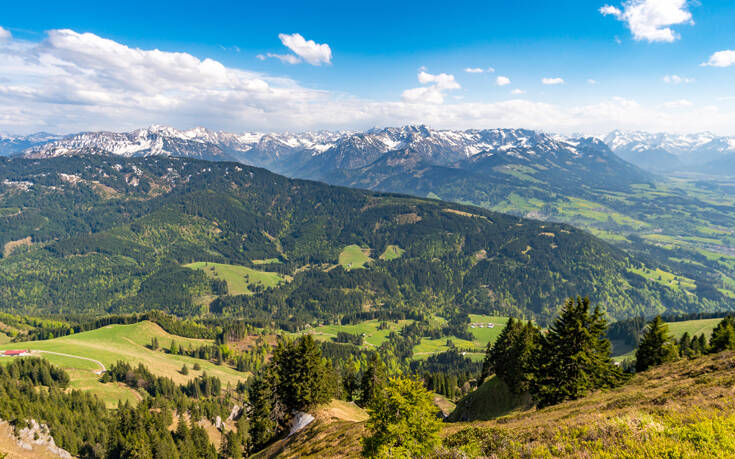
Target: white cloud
5	34
721	59
591	81
73	82
549	81
502	81
651	20
517	92
681	103
479	70
676	79
285	58
310	51
433	94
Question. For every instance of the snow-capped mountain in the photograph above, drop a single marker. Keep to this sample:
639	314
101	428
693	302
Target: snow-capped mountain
193	143
668	152
10	145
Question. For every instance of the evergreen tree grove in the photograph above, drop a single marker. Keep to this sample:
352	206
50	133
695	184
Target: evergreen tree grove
574	356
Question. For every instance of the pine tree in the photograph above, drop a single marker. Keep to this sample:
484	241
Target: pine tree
656	346
184	370
574	356
263	427
403	421
723	336
373	380
510	357
685	346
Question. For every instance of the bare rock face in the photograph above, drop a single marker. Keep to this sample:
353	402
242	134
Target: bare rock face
38	435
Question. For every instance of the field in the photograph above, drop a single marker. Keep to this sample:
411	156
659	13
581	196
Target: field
622	351
373	337
109	344
354	257
486	334
240	279
392	252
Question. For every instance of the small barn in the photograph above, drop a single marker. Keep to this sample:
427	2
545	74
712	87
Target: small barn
15	353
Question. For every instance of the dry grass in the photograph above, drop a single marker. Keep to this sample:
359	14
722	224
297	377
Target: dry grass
685	409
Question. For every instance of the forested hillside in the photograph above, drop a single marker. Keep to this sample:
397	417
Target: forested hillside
94	233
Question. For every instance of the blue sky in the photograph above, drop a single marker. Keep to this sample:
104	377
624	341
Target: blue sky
70	66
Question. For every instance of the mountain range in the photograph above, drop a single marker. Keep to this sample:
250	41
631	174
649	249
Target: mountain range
684	224
123	231
293	153
701	152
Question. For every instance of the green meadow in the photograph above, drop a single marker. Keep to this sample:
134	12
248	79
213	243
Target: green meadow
112	343
240	280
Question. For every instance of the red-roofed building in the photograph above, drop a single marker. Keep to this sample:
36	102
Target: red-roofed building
15	353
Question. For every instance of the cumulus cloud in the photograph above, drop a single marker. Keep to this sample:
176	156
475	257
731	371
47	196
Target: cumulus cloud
5	34
721	59
433	94
479	70
502	81
517	92
309	50
551	81
676	79
651	20
72	82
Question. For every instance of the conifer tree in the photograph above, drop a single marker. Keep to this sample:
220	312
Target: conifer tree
373	380
574	356
510	357
656	346
723	336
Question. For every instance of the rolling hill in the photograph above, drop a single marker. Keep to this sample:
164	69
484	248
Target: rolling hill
86	355
114	234
683	223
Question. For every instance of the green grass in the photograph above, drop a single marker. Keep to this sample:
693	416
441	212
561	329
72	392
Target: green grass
240	279
429	346
491	400
622	351
487	335
392	252
267	261
372	336
354	257
665	278
693	327
123	342
7	211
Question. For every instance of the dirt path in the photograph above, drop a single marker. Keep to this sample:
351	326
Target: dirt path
78	357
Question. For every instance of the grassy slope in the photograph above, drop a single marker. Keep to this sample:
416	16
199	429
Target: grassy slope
239	279
491	400
122	342
392	252
354	257
369	328
684	409
622	351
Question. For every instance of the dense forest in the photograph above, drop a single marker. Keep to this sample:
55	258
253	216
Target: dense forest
96	234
